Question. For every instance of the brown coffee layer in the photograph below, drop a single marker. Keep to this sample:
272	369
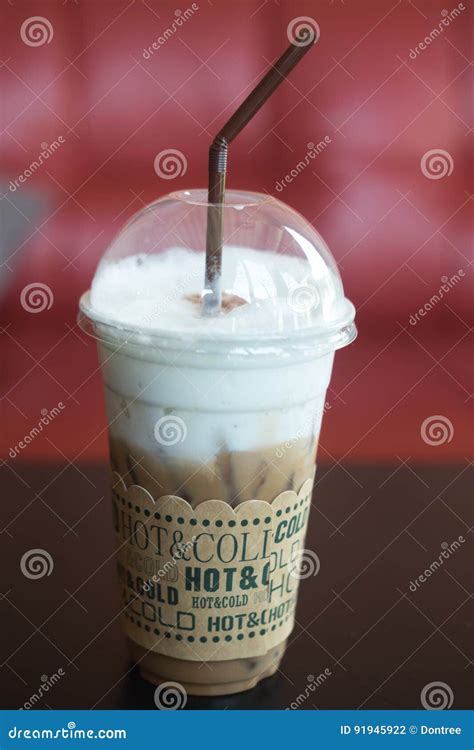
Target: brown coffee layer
233	477
230	476
208	678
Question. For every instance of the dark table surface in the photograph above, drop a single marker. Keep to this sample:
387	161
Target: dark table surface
375	635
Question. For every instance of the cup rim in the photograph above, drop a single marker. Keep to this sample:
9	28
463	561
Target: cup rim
315	341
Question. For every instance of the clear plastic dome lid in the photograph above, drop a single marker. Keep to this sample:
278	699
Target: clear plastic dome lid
279	279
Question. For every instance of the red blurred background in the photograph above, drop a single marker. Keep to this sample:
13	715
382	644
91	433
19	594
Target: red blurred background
395	229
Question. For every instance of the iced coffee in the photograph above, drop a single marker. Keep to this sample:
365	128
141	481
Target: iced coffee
213	430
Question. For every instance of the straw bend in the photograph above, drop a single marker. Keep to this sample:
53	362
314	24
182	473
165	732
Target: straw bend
218	155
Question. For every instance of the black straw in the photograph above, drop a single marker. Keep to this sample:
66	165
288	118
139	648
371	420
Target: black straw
218	165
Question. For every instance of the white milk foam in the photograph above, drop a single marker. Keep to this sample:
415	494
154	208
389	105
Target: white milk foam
223	405
149	292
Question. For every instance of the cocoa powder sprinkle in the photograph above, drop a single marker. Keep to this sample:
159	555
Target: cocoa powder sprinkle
229	301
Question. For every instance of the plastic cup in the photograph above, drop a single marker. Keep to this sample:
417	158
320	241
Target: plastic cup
213	430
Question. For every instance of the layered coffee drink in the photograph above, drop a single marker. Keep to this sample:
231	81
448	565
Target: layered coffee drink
236	447
213	430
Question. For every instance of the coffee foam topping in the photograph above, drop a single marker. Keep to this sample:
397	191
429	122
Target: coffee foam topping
265	292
